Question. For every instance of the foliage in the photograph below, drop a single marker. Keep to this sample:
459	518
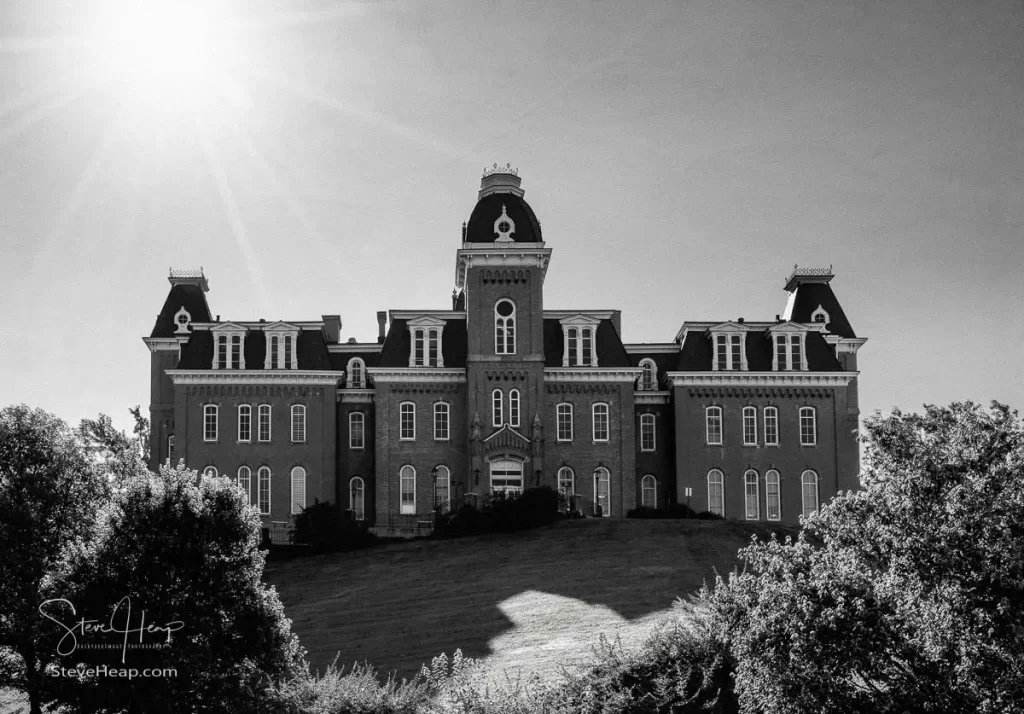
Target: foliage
912	601
500	513
709	516
49	496
184	550
324	527
358	691
120	456
672	510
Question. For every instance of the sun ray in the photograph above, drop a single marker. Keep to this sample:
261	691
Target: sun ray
233	214
41	112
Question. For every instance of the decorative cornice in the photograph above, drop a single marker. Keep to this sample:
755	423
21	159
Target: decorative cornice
659	397
506	169
414	314
845	344
562	314
761	392
579	319
591	374
356	396
525	255
250	325
266	376
162	344
651	348
761	379
345	347
416	374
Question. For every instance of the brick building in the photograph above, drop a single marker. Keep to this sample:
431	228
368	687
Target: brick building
752	420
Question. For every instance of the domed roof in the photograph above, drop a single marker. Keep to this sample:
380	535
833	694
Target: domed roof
486	222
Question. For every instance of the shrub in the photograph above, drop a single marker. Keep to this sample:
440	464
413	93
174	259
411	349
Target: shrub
535	507
324	528
673	510
358	691
709	516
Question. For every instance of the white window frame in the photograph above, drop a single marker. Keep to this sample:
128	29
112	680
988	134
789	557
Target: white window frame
210	471
606	411
788	340
649	484
773	432
211	423
601	474
444	476
504	344
403	433
497	408
245	418
298	412
298	479
442	411
712	412
423	331
263	476
566	475
567	413
648	424
260	422
506	468
716	478
773	481
577	332
407	476
750	426
355	373
810	414
353	443
170	446
247	479
649	376
282	346
356	486
513	407
751	495
809	487
225	337
724	360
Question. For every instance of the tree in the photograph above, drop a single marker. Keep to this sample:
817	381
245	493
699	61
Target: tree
905	596
185	551
119	455
49	497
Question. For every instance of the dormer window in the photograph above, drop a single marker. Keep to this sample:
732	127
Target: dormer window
356	373
649	378
425	350
228	347
505	328
820	317
789	353
578	341
282	341
729	341
182	322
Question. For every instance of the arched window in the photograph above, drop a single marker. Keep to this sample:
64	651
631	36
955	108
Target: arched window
356	373
407	489
749	426
713	421
210	472
751	495
443	489
244	423
357	498
210	417
647	442
808	427
298	424
809	492
263	414
773	500
603	490
298	489
357	430
513	407
600	413
244	482
263	476
564	414
505	327
407	421
716	492
497	408
649	491
566	481
771	426
441	421
649	378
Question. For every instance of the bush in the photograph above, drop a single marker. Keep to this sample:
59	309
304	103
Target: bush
673	510
535	507
709	516
359	691
325	528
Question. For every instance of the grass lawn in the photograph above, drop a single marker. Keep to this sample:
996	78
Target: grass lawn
523	602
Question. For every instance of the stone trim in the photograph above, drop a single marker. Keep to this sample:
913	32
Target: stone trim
180	376
762	379
417	374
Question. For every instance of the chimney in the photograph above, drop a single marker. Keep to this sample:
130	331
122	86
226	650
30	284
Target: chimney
332	328
382	321
739	320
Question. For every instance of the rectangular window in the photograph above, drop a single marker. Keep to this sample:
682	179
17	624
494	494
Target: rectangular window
647	432
419	347
497	408
789	354
771	426
288	343
210	422
236	351
713	419
407	426
513	408
275	345
244	423
222	351
263	426
170	446
298	424
600	412
721	353
751	496
808	427
264	490
794	352
441	414
780	352
588	347
356	431
749	426
432	356
771	490
574	349
736	352
564	413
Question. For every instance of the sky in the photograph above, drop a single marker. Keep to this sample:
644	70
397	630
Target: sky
319	157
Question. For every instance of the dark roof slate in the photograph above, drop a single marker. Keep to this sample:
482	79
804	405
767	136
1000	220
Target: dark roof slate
398	343
480	228
192	298
809	296
610	350
339	360
310	351
696	354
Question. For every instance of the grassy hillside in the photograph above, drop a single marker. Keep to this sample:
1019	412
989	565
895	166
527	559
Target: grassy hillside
525	600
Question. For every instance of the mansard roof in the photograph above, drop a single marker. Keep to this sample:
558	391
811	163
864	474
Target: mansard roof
610	351
340	360
187	295
697	352
665	357
398	343
310	350
807	297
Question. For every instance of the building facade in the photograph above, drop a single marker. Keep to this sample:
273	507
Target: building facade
750	420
